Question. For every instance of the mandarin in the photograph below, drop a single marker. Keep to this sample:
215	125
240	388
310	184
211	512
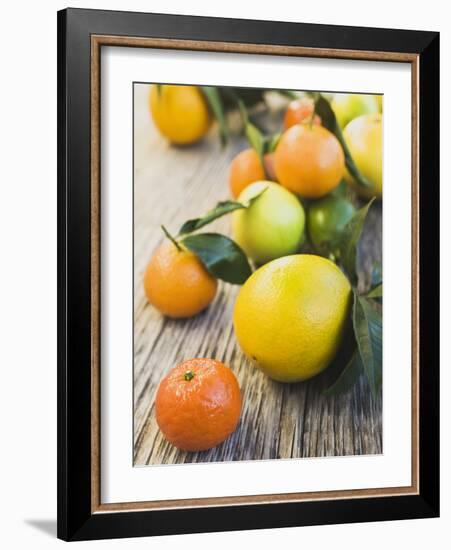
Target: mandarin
177	283
309	160
245	168
198	404
300	111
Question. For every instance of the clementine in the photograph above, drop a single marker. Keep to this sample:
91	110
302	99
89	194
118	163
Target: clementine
309	160
177	283
245	168
180	113
300	111
268	161
198	405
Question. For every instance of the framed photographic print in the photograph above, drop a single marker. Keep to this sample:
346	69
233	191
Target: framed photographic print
248	274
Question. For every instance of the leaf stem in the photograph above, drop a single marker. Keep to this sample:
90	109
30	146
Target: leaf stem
171	238
312	118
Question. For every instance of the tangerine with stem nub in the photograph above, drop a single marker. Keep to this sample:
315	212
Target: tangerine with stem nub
309	160
176	282
301	111
198	404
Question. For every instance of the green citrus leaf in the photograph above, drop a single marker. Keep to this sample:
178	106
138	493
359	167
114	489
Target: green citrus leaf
367	322
375	292
214	101
223	258
376	274
271	142
255	139
253	135
325	111
348	376
221	209
349	240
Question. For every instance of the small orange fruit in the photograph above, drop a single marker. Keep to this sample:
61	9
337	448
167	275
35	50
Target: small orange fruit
180	113
309	160
198	404
245	168
177	283
268	161
300	111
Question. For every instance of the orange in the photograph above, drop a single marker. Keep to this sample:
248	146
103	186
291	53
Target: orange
245	168
364	137
309	160
268	161
198	405
177	283
291	314
180	113
300	111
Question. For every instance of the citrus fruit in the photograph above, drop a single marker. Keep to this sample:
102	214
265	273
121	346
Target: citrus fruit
300	111
245	168
309	160
349	106
177	283
268	161
290	316
363	136
379	99
272	226
179	112
198	404
326	219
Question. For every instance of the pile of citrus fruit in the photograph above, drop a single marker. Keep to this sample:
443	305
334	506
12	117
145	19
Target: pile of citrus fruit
292	199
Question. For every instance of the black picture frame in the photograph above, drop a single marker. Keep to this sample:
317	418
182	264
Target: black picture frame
76	519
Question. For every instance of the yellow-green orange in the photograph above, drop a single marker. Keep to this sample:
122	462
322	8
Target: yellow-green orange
363	136
290	316
272	226
347	107
380	100
179	112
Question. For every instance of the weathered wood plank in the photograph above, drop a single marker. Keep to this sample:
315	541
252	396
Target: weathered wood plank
278	421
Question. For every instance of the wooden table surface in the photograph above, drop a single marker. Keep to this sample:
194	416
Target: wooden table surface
278	420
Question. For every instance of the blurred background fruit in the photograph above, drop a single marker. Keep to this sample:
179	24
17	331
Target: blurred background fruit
363	136
349	106
326	219
268	161
180	112
198	404
177	283
309	160
272	226
245	169
290	316
380	100
300	111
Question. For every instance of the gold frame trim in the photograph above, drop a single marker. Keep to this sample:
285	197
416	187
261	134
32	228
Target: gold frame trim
97	41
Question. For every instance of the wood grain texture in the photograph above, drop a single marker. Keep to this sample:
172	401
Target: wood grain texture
278	420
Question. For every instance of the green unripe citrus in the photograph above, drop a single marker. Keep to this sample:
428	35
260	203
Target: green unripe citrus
272	226
326	219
